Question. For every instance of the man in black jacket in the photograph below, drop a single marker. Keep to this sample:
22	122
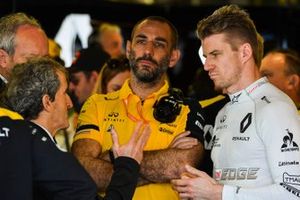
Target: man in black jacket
16	158
38	91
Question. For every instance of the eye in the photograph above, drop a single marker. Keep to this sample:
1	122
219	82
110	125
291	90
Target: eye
266	74
214	55
159	45
140	41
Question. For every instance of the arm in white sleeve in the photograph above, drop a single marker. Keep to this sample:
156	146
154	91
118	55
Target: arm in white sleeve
279	129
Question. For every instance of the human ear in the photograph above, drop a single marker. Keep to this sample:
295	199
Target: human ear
47	103
293	81
128	48
246	52
175	56
4	58
94	76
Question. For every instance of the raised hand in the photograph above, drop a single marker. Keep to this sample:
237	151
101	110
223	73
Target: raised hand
134	147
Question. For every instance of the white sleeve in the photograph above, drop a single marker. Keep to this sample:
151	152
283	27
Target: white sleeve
270	192
276	123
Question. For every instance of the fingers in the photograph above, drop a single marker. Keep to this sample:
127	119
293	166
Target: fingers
183	134
136	131
182	141
178	183
179	136
115	138
199	173
185	143
193	171
144	136
186	175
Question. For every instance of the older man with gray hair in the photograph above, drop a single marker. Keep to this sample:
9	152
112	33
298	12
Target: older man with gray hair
38	91
21	37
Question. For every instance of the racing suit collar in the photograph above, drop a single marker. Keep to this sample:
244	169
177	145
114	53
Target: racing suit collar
240	95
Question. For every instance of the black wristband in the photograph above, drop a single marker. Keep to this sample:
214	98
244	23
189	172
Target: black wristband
111	156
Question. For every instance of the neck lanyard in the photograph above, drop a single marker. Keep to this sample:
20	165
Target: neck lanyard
139	110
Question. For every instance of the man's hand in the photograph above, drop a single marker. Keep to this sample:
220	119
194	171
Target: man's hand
134	148
182	141
196	184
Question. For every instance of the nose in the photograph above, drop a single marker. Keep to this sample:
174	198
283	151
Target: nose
149	47
207	65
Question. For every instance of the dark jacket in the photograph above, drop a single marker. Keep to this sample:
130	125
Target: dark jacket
2	86
32	167
15	160
57	174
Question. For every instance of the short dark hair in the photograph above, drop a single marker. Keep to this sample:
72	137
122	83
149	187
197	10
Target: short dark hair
8	27
111	68
236	24
174	32
29	82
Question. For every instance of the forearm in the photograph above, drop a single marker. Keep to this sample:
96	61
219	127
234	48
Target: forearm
100	171
88	153
124	179
161	166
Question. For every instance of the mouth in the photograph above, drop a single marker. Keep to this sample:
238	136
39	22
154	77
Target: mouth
146	63
212	75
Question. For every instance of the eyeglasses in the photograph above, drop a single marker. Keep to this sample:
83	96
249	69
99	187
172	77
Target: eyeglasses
114	63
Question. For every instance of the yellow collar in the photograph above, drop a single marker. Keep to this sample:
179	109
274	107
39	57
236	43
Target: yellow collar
126	91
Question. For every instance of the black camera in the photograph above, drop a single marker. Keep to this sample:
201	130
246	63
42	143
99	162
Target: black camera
168	107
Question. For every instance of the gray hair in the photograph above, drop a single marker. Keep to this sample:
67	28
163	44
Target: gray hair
8	27
29	82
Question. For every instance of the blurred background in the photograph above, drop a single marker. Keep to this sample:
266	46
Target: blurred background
277	20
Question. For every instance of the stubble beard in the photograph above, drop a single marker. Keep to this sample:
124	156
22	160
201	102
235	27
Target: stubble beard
145	74
226	84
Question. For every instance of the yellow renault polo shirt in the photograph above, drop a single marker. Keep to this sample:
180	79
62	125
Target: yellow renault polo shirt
123	109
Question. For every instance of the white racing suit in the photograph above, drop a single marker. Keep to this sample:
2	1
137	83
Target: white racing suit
256	145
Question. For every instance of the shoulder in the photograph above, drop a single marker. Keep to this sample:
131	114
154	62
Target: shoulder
272	105
14	124
192	103
271	100
96	98
99	101
16	133
195	109
9	113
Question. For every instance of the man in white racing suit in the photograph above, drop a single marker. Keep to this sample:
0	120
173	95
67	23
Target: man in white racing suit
256	135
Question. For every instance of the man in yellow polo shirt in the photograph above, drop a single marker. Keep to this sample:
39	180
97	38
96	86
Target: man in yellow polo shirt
146	97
